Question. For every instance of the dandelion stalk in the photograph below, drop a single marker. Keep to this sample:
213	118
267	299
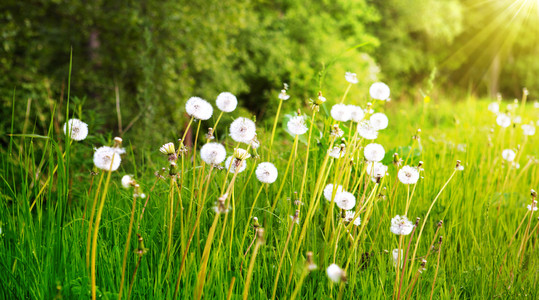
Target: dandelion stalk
284	180
126	249
437	267
259	242
276	281
96	232
90	220
274	127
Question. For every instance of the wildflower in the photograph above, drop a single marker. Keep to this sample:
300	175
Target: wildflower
242	130
509	154
351	77
309	262
528	129
321	99
345	200
395	254
367	130
336	131
213	153
374	152
379	91
533	206
350	216
503	120
78	130
168	149
241	154
198	108
494	107
408	175
517	120
356	113
283	95
266	172
337	151
459	166
400	225
235	164
335	273
379	121
296	125
376	170
328	191
127	181
340	112
107	159
226	102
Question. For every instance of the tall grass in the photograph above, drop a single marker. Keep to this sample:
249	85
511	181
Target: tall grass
48	189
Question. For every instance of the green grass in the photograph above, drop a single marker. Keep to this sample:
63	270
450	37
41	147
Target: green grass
43	246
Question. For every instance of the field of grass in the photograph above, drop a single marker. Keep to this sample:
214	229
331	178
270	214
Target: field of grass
64	223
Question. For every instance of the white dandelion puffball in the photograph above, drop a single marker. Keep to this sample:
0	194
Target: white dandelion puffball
503	120
237	164
379	121
532	207
243	130
509	154
283	96
340	112
408	175
328	191
226	102
356	113
106	158
266	172
296	125
376	170
379	91
395	254
198	108
77	128
213	153
126	181
345	200
494	107
400	225
367	131
528	129
374	152
351	215
337	152
335	273
351	77
517	120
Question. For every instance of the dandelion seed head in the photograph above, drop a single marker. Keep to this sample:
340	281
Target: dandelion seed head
335	273
337	151
242	130
503	120
296	125
356	113
408	175
235	164
528	129
340	112
349	217
328	191
400	225
379	91
213	153
533	206
376	170
266	172
379	121
351	77
198	108
494	107
345	200
226	102
77	128
168	149
283	95
106	158
509	154
367	130
374	152
127	181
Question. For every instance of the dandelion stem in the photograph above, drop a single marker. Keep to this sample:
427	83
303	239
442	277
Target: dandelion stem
250	270
284	180
281	259
90	220
126	249
274	127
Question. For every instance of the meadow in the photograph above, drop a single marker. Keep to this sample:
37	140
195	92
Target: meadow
363	198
